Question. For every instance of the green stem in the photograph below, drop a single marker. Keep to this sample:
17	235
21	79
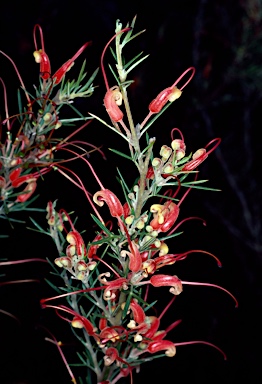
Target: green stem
118	317
143	172
90	349
142	165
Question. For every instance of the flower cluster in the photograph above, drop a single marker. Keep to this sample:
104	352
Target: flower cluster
115	270
27	144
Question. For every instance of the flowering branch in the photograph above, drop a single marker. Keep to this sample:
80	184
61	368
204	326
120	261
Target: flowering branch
107	277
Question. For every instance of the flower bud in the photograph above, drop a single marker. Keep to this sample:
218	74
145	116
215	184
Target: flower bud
165	151
157	243
47	117
77	323
140	224
58	124
178	144
200	152
180	154
156	162
129	219
63	262
168	168
163	249
81	266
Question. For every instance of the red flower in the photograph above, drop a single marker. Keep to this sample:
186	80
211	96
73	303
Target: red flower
114	205
45	66
168	94
138	312
109	334
59	74
198	157
160	345
164	216
75	239
135	259
27	192
167	281
17	181
93	248
112	100
113	286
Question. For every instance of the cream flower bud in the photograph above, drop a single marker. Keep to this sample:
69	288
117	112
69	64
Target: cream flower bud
198	153
77	323
137	338
165	151
149	228
156	162
157	243
180	154
140	224
58	124
131	324
135	188
47	117
176	93
163	249
129	219
168	168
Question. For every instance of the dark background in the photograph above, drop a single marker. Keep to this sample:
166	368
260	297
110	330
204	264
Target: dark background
222	39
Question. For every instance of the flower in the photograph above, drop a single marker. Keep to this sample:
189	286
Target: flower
198	157
114	205
164	216
161	345
112	100
165	280
135	259
168	94
41	58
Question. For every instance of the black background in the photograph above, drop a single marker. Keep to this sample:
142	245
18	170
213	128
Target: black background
222	39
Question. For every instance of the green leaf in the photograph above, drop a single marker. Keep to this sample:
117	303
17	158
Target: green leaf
118	270
104	229
121	154
150	305
40	229
166	197
171	236
102	241
75	119
135	64
139	299
132	60
20	106
113	53
114	74
109	126
76	111
53	286
123	181
203	188
155	117
127	304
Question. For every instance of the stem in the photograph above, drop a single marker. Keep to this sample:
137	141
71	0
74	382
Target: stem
122	78
143	168
142	165
122	299
90	349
